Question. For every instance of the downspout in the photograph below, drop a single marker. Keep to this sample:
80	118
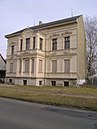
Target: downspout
45	63
77	56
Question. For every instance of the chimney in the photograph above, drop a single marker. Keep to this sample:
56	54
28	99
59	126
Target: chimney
40	22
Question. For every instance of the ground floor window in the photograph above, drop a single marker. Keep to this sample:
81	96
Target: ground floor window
40	83
10	81
66	83
53	83
24	82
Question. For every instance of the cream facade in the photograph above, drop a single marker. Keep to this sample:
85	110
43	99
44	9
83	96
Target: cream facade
48	54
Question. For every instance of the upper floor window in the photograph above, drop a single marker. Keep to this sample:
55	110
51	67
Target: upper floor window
11	67
27	66
21	45
27	43
12	50
67	42
20	69
54	44
40	43
15	66
67	65
54	66
40	66
32	65
33	42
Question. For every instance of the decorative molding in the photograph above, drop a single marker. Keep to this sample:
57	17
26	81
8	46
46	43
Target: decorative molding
26	53
13	43
26	33
61	54
54	35
66	33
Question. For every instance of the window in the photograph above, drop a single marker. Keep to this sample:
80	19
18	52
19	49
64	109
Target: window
11	67
40	83
27	43
67	42
53	83
21	45
20	69
67	66
10	81
27	66
12	50
14	66
54	44
32	65
40	42
40	66
54	66
66	83
33	42
24	82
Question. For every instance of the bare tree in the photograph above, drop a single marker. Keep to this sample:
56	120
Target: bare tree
91	41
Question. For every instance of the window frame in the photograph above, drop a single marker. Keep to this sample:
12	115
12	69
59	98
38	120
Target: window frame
20	67
53	83
54	66
27	68
12	49
27	43
41	43
67	42
40	83
32	67
66	65
21	45
11	67
34	38
25	82
54	44
40	66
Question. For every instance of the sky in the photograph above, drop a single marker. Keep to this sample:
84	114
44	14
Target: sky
19	14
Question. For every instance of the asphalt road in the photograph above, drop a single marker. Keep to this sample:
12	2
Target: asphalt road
25	115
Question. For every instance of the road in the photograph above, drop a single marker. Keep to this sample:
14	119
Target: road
16	114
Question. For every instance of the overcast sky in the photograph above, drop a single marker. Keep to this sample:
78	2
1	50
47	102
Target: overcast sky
18	14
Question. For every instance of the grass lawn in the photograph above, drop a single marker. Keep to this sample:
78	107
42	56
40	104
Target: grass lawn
82	97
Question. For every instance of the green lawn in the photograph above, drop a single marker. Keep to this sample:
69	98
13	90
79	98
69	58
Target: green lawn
82	97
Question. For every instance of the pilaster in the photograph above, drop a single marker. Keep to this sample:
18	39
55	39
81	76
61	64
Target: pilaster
30	64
